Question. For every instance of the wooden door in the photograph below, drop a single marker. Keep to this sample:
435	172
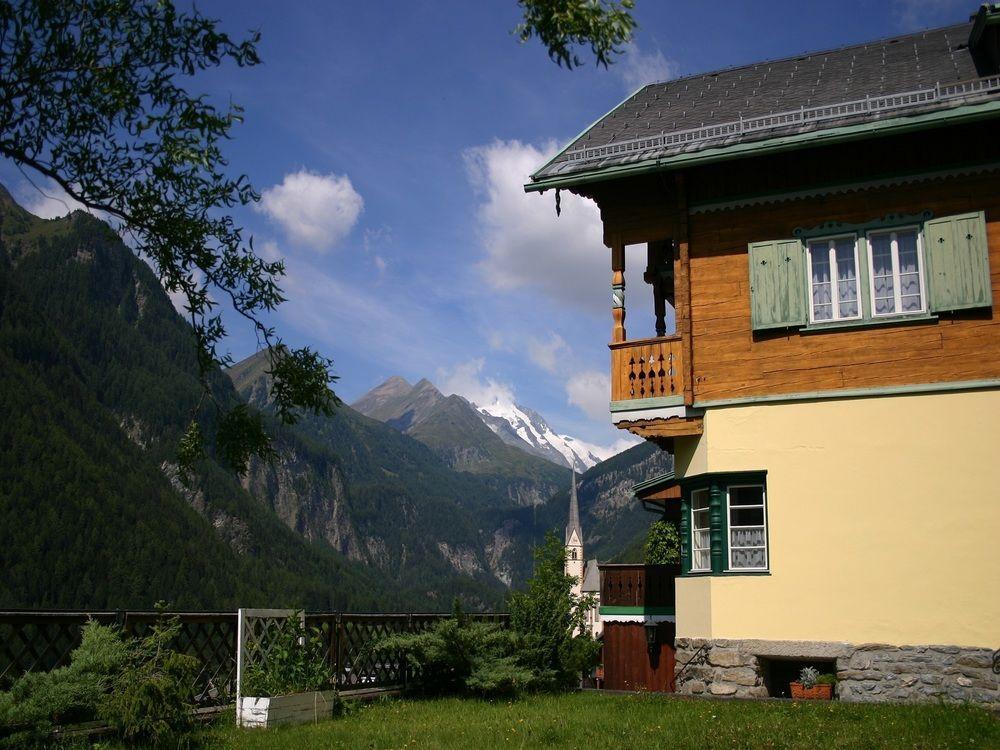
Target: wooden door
628	664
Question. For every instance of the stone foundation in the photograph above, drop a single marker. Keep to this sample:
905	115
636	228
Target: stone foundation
870	672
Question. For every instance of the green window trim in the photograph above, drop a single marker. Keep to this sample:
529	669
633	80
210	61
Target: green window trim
718	485
636	610
954	266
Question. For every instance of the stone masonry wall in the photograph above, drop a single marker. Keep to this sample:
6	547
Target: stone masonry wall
865	672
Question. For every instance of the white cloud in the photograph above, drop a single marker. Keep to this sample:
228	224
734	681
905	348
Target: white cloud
314	210
467	381
590	391
548	354
637	68
526	245
49	201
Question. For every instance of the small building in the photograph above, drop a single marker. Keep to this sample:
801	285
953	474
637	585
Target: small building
821	236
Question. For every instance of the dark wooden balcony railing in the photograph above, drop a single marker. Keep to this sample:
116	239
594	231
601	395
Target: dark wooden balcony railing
647	368
646	586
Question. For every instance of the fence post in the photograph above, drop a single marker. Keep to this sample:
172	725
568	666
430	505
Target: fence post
339	650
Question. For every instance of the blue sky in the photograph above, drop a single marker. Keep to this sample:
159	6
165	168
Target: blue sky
390	140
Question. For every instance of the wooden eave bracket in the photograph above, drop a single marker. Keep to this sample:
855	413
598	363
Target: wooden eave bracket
653	429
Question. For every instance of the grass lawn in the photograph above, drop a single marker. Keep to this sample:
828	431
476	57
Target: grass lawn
628	722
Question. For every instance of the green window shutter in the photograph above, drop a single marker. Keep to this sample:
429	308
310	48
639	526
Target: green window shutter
777	284
958	262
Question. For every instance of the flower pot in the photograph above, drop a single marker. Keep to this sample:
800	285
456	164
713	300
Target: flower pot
821	691
297	708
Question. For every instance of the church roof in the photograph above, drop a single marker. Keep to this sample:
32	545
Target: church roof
573	523
591	578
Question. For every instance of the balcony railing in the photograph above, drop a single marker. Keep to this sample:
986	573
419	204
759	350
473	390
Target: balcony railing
647	586
647	368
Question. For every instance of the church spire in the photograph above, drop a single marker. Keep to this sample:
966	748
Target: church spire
573	524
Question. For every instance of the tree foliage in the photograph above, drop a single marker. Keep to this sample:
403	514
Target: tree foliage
562	25
547	617
93	97
663	544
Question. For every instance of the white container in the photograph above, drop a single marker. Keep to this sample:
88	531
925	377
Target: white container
297	708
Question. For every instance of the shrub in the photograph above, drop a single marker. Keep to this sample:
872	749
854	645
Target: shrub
663	544
39	701
459	655
151	700
295	662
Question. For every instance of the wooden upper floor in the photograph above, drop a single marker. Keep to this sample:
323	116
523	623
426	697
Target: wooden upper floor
884	274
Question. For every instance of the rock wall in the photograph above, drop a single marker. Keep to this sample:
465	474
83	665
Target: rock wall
870	672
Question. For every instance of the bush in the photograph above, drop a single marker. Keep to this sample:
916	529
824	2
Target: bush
459	655
151	700
39	701
141	687
294	663
663	544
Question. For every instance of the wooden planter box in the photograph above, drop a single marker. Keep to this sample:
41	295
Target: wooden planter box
818	692
298	708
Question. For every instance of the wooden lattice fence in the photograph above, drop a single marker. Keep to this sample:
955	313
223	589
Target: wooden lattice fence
36	640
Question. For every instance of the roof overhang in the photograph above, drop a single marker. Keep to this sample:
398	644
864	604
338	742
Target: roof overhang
823	137
656	492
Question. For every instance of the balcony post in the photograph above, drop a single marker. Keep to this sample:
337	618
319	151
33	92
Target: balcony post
618	291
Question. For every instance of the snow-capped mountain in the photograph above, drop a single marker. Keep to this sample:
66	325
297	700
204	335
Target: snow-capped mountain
525	428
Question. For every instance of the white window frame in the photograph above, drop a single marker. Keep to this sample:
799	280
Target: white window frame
730	527
708	528
894	253
830	241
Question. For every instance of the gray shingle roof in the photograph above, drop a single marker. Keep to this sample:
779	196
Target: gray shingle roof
657	120
591	578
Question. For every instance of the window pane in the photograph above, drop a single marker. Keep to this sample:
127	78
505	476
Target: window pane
747	537
753	495
701	539
700	561
909	271
847	278
882	281
822	288
748	558
699	499
746	516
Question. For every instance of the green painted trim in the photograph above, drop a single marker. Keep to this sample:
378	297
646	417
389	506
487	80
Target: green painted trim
725	573
586	130
845	133
887	390
888	179
640	610
834	228
657	481
638	404
868	322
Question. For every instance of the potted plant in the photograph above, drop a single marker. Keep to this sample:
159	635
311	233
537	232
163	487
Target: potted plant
813	686
290	682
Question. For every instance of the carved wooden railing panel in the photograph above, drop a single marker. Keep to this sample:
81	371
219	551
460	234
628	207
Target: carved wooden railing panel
647	368
638	585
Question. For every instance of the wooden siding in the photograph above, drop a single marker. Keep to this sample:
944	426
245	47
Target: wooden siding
638	585
729	361
628	665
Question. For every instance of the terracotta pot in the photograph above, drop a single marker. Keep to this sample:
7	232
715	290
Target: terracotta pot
818	692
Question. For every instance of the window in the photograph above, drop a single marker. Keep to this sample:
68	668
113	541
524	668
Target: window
897	279
747	529
833	279
701	540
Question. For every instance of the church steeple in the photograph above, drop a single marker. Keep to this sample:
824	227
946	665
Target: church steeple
573	524
574	542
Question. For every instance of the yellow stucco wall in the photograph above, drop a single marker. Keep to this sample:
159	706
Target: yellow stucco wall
883	521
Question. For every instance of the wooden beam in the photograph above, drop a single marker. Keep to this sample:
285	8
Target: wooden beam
682	287
618	290
658	429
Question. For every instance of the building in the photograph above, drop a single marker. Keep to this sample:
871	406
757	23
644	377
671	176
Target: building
584	573
822	243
